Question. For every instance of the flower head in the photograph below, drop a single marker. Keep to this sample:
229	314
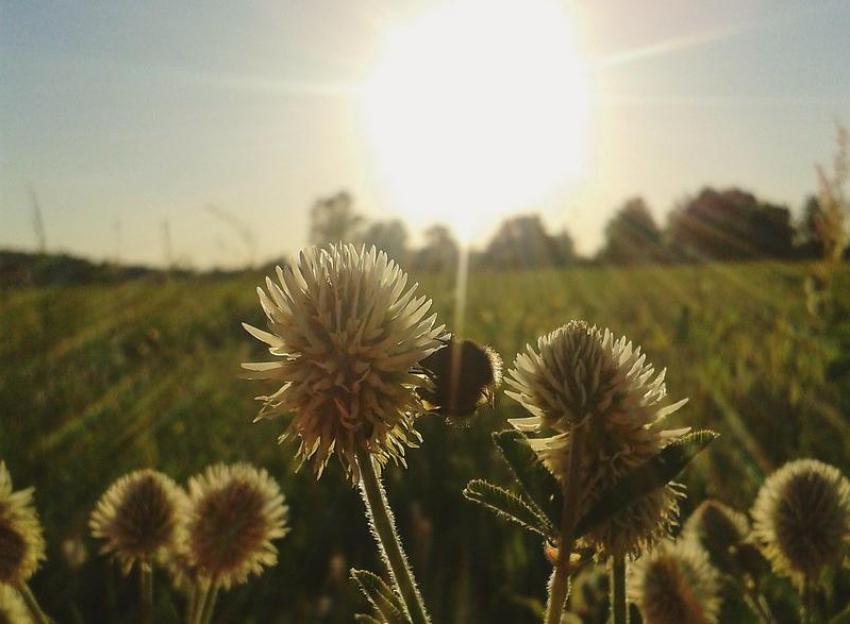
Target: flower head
139	518
720	530
581	376
801	517
21	541
235	513
675	584
12	607
348	339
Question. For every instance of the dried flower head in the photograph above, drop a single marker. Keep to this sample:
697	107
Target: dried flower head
801	517
139	518
675	584
581	376
21	541
348	338
235	513
720	530
12	607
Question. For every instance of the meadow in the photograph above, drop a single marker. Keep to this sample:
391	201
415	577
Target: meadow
99	380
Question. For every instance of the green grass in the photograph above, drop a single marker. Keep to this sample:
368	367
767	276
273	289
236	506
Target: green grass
96	381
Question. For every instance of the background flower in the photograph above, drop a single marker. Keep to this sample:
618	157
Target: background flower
139	517
801	517
235	512
675	584
21	541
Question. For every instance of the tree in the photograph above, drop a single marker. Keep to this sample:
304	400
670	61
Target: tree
731	225
388	236
333	219
440	251
522	243
632	235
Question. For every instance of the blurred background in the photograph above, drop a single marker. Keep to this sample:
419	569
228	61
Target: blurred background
676	171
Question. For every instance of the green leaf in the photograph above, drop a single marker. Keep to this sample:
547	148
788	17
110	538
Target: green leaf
383	598
509	506
366	619
536	481
653	474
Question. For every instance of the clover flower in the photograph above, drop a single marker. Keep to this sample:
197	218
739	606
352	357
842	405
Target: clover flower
675	584
140	518
348	338
722	532
21	541
801	518
581	376
235	512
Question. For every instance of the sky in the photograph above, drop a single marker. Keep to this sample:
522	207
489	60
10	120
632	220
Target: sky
126	118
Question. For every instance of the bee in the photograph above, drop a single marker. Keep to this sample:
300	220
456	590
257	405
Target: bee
464	377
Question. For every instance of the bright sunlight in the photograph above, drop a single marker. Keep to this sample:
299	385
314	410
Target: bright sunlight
475	110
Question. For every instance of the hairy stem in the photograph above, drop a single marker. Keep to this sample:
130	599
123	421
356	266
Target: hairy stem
209	605
38	616
619	608
806	607
389	545
145	594
569	518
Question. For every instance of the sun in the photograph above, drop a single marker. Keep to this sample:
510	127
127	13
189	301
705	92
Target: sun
475	110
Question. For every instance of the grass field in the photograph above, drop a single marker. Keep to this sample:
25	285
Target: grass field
96	381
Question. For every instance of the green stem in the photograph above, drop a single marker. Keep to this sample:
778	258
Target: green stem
383	529
37	614
145	594
619	607
569	517
192	602
806	608
209	605
196	608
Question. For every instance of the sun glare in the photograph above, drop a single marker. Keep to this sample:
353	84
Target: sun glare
475	110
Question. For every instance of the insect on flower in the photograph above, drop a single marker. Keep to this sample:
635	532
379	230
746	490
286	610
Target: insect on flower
464	377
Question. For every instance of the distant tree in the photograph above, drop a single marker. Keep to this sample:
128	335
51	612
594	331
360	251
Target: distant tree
731	225
334	219
389	236
807	238
440	251
523	243
632	236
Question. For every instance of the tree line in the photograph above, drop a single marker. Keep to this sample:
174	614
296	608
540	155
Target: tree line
719	225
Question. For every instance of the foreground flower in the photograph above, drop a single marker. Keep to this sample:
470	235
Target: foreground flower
348	338
139	517
21	540
801	518
235	512
675	584
581	376
12	607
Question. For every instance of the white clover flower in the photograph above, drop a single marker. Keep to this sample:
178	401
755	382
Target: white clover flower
801	518
235	512
580	375
139	518
675	584
348	339
21	540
